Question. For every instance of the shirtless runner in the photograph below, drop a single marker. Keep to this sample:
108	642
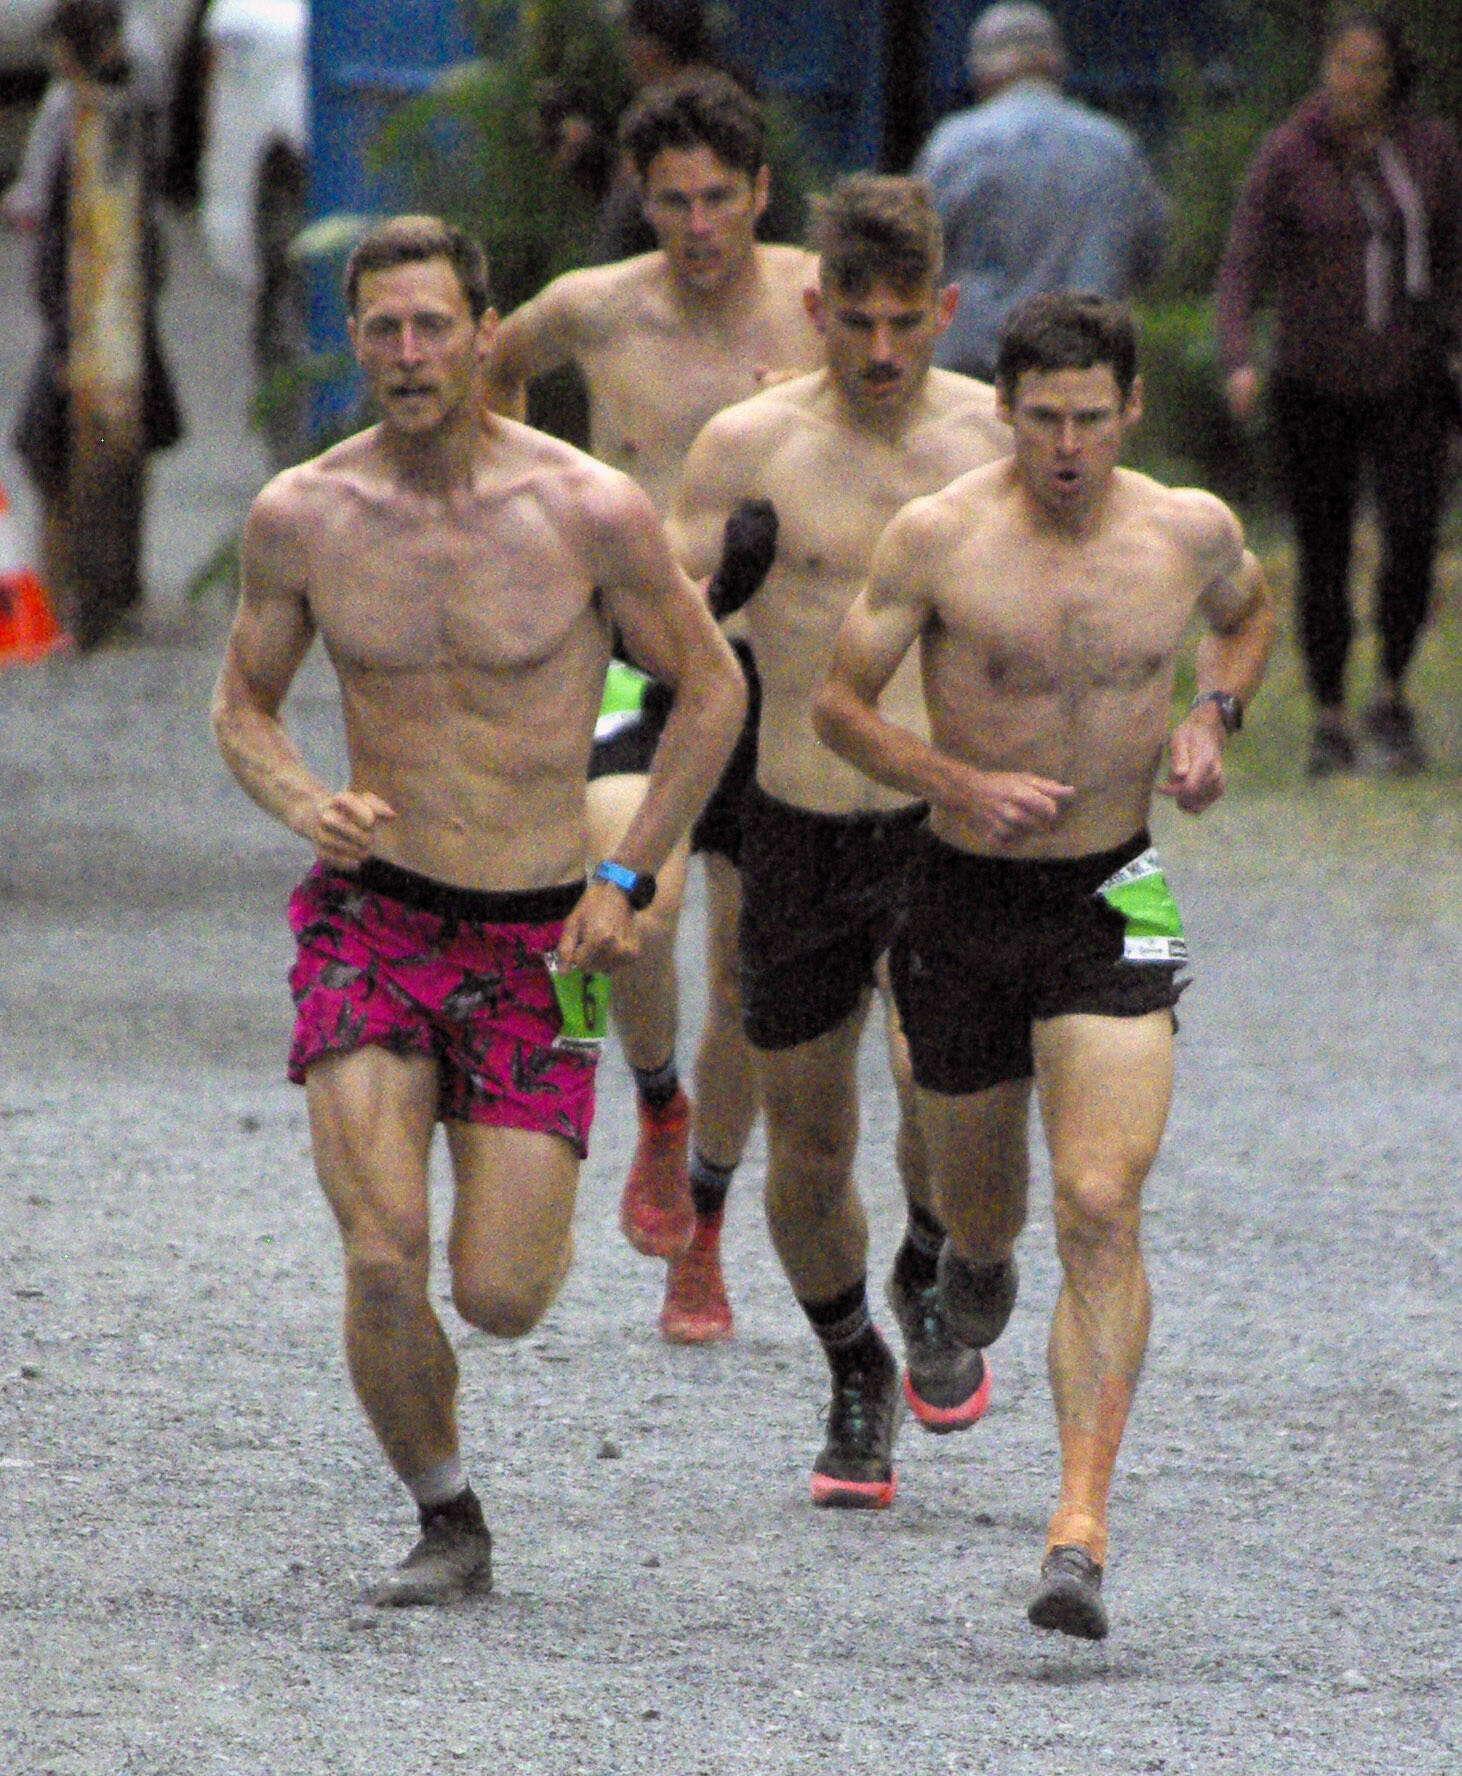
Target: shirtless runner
664	341
824	851
1048	597
464	579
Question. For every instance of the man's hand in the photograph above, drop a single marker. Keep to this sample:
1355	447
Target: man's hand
1195	775
1007	805
340	826
600	932
1241	391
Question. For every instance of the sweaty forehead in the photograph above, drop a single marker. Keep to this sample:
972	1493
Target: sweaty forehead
686	169
1094	386
418	284
879	297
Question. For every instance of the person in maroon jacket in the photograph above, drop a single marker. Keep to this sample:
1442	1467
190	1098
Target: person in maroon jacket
1350	222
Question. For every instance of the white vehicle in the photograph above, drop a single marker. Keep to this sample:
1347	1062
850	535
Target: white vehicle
253	178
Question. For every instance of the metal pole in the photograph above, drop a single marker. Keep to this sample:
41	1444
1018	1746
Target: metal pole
105	359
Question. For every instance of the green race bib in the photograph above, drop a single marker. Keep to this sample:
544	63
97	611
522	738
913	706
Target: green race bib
1139	892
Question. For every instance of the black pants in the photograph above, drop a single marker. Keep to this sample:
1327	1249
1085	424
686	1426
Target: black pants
1325	441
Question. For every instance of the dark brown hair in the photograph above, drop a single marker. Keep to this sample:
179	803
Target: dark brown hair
1071	330
411	240
873	228
703	110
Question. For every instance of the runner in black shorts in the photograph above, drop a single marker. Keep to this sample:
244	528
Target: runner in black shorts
1047	598
833	456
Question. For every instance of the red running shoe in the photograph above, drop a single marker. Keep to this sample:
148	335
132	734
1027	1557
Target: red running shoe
656	1214
696	1310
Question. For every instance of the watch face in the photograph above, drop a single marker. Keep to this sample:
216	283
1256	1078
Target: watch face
643	891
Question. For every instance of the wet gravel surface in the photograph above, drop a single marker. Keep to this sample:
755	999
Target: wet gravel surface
191	1501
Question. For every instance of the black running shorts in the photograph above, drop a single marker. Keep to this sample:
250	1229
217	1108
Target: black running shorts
992	944
821	897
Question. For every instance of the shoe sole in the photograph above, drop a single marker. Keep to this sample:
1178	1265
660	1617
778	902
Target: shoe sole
852	1495
941	1420
1067	1607
695	1331
387	1596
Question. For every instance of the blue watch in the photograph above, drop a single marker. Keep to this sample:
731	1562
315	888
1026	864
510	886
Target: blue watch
637	886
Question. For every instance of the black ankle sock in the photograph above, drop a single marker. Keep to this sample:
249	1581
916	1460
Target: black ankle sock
846	1330
709	1185
657	1085
917	1261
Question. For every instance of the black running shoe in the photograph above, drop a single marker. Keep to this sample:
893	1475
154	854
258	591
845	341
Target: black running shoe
946	1383
1069	1597
453	1558
1331	751
855	1468
1391	728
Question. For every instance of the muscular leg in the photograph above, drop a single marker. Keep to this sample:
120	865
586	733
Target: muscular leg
726	1096
511	1238
820	1233
655	1209
1104	1087
979	1167
815	1215
696	1309
371	1120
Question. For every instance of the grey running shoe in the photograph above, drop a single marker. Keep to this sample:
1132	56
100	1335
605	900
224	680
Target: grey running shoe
453	1558
855	1469
1391	728
1331	751
946	1383
1069	1597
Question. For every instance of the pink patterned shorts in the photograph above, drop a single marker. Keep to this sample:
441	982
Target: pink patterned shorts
394	959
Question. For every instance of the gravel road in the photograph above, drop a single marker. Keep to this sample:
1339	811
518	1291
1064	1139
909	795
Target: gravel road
191	1500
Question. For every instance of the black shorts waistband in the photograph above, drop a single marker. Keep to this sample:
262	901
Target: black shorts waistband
483	906
868	820
1037	876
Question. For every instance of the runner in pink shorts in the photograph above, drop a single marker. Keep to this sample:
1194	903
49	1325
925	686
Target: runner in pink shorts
465	576
394	958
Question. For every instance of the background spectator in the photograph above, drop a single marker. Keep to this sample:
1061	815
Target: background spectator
1350	223
1036	192
88	49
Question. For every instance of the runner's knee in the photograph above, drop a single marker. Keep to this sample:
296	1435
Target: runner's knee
1096	1214
505	1308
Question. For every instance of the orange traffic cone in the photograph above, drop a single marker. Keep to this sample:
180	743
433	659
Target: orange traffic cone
28	627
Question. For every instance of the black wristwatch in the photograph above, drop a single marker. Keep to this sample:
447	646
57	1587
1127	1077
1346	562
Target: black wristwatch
1230	710
637	886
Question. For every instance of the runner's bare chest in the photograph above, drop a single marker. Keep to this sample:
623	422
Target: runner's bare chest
1073	620
491	588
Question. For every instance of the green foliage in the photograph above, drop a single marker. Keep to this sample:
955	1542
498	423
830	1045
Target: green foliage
1187	437
480	145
